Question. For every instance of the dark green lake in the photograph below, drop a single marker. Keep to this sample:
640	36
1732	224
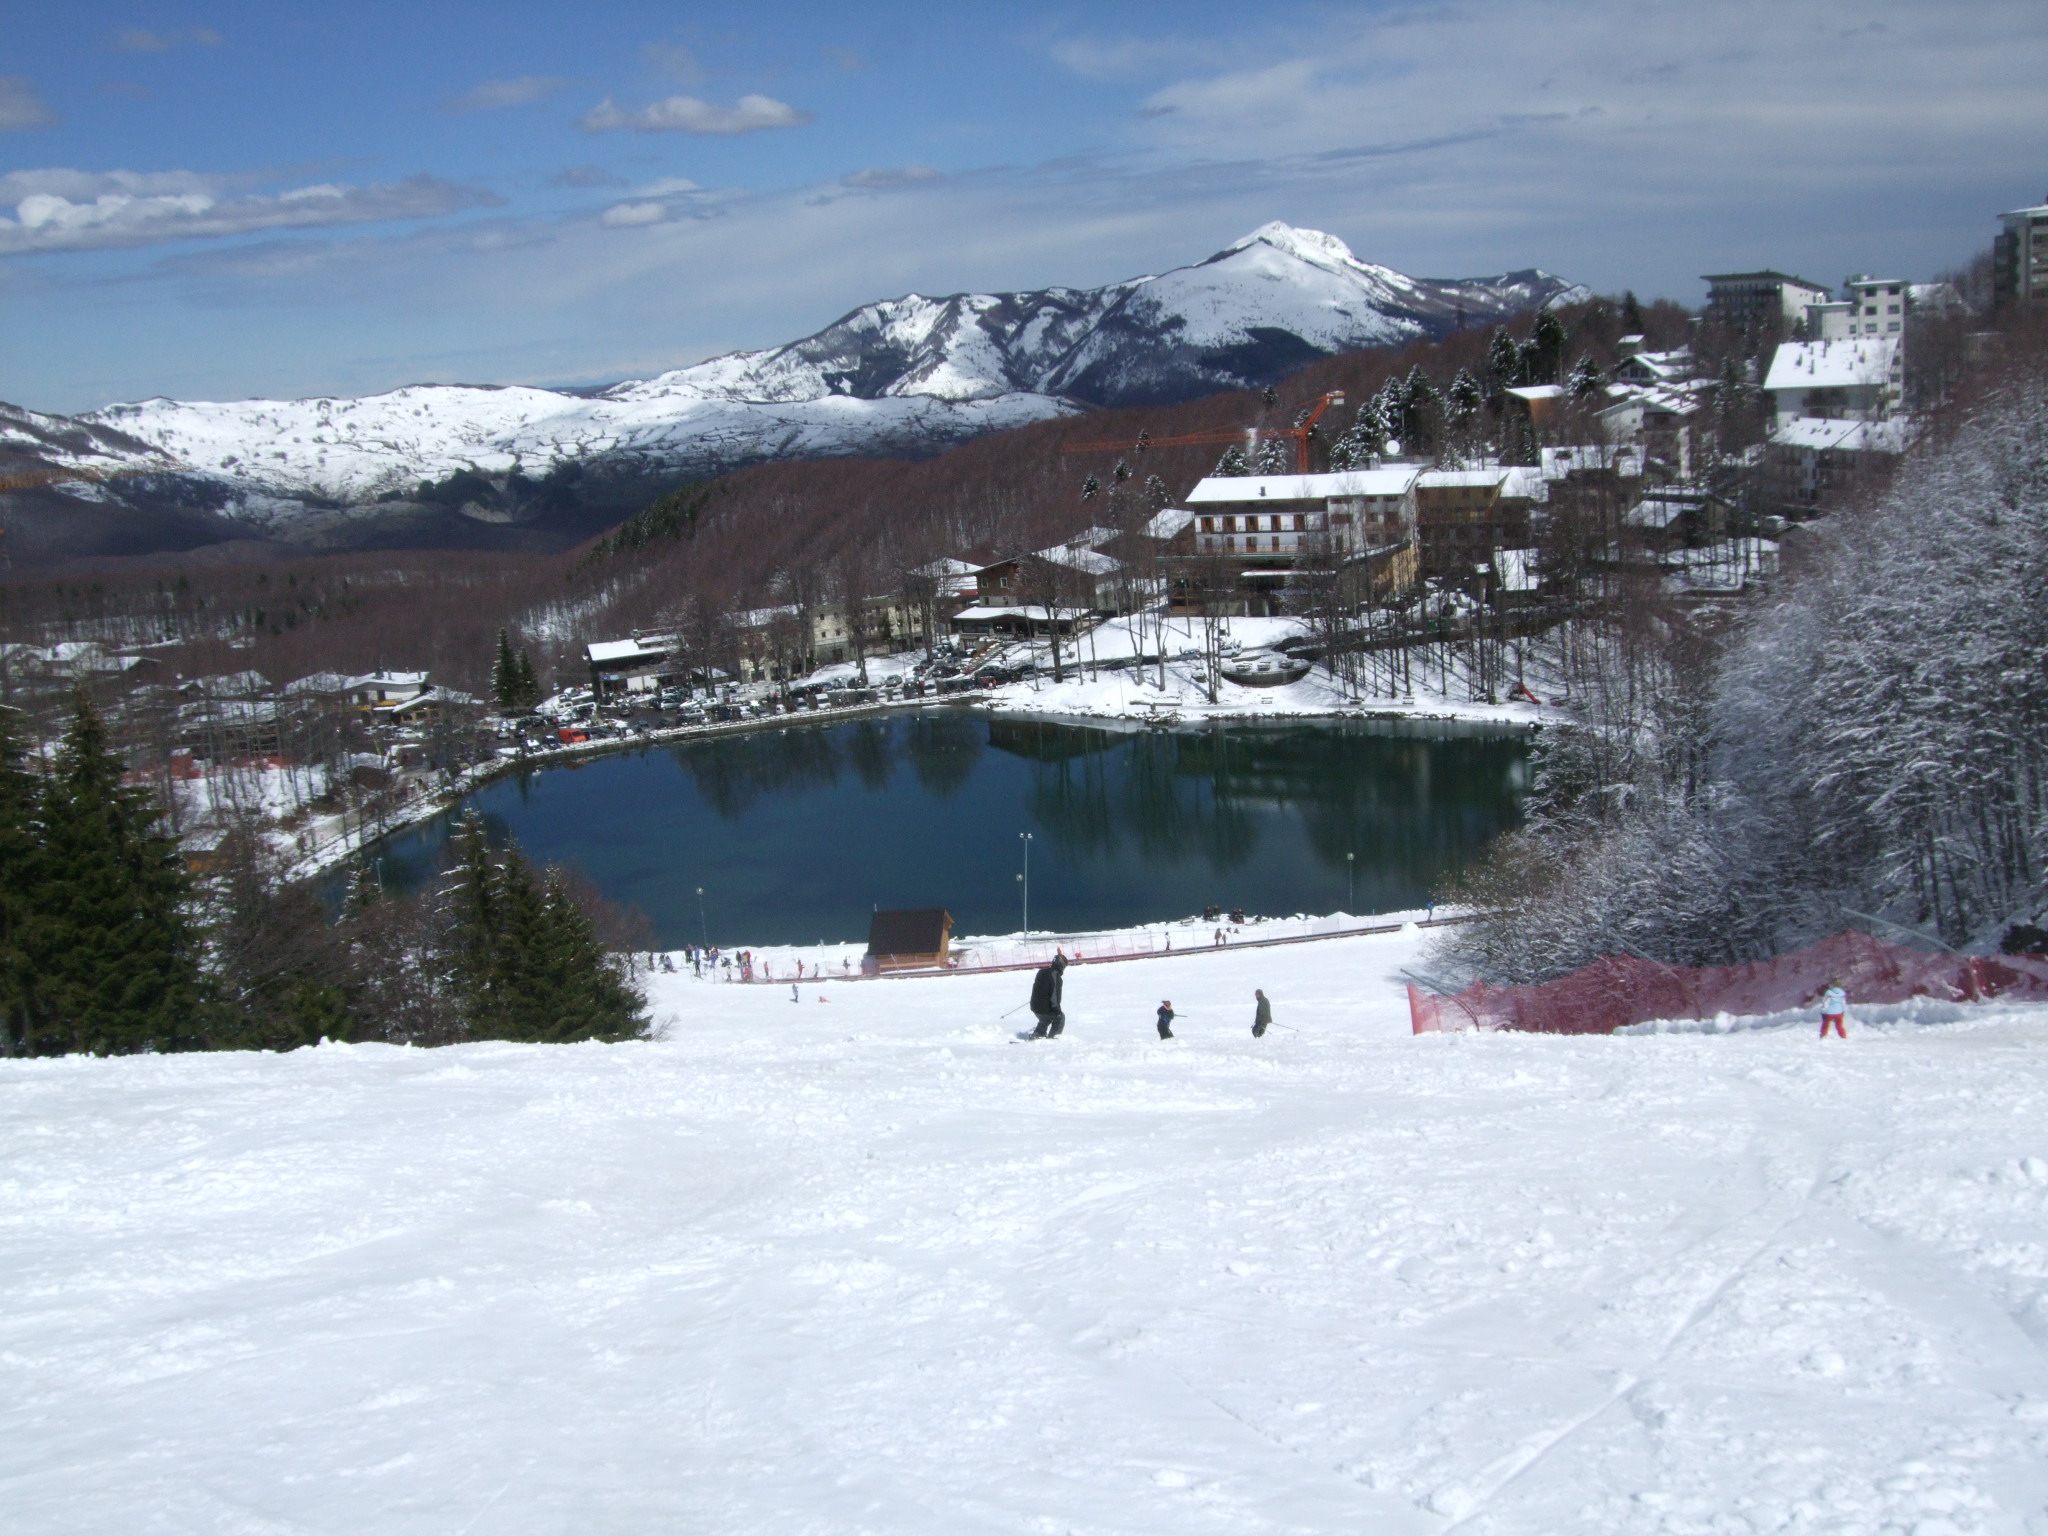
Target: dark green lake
797	834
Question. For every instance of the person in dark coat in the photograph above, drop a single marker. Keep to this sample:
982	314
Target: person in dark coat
1046	989
1264	1016
1166	1021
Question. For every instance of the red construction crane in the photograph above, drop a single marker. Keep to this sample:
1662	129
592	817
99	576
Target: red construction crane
1300	432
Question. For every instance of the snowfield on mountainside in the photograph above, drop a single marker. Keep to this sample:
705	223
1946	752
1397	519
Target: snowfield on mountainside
905	376
863	1262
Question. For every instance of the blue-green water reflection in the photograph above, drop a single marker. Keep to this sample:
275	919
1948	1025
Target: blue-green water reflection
796	835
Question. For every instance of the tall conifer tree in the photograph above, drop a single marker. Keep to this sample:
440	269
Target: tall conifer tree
20	878
110	946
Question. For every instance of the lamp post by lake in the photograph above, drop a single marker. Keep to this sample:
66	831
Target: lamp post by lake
1351	874
703	927
1025	878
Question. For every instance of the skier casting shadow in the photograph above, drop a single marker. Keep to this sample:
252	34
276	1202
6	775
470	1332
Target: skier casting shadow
1046	988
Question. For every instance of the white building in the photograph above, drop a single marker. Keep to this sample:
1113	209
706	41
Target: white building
1349	513
1859	378
2019	257
1877	305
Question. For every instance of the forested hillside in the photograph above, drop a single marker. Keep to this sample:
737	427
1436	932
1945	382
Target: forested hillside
1871	743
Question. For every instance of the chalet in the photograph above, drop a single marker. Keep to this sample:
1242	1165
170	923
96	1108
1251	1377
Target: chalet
1859	378
1463	515
645	663
1812	464
920	939
377	693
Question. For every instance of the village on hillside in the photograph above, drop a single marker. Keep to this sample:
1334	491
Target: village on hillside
1415	551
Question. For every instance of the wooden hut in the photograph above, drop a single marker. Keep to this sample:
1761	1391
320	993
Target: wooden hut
906	941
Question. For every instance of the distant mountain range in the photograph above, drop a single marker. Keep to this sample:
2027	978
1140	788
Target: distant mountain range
519	466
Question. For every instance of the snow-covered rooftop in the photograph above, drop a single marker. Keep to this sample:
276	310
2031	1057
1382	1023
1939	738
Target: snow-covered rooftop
1088	561
639	648
1824	434
1164	525
1850	363
1223	489
1452	479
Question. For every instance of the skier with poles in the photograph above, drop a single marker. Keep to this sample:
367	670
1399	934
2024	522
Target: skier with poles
1046	989
1262	1019
1166	1021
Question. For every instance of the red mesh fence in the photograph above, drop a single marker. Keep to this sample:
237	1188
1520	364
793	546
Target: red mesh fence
1622	989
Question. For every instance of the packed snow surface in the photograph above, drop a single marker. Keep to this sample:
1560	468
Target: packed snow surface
862	1263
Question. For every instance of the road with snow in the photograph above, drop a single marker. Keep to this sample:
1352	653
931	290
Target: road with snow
862	1263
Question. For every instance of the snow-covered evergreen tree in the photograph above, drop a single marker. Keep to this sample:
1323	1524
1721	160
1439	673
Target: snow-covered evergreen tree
1233	463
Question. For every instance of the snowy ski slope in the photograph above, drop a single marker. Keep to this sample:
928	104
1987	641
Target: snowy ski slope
864	1264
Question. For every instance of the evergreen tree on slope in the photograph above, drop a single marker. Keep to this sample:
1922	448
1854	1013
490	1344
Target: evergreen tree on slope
112	952
20	873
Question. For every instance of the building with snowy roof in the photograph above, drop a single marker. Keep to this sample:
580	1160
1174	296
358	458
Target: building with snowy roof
642	663
1261	526
1812	464
1859	378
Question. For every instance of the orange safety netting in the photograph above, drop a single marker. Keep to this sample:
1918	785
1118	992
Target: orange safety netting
1622	989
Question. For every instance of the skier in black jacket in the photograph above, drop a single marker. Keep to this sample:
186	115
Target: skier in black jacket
1046	987
1166	1021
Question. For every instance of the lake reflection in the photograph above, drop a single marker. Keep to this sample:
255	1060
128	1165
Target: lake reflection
797	834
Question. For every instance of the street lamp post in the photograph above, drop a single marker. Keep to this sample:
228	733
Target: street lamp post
703	927
1025	878
1351	873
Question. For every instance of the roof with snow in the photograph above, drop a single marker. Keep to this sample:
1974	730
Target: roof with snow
1165	524
1452	479
1847	364
389	680
317	682
1825	435
1534	392
639	648
1088	561
1351	482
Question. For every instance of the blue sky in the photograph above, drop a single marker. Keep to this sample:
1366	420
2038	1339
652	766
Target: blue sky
223	200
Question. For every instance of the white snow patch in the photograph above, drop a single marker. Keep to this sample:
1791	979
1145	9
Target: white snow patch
866	1264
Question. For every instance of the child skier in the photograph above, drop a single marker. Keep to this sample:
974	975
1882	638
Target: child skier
1166	1021
1833	1004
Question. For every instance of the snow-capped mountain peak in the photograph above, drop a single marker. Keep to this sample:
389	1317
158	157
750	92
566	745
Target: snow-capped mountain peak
1310	245
910	374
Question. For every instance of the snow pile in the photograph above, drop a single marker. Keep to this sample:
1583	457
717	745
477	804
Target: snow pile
866	1264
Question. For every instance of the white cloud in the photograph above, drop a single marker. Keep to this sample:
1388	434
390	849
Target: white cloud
890	176
490	95
687	114
668	186
67	210
633	215
21	106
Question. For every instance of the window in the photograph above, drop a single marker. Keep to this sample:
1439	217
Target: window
1297	522
1229	526
1208	525
1891	309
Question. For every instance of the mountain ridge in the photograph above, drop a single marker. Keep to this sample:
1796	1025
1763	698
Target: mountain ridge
907	376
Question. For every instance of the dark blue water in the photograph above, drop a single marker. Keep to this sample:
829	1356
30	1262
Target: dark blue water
796	835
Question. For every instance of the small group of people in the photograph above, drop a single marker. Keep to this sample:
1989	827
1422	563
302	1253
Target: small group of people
1048	994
